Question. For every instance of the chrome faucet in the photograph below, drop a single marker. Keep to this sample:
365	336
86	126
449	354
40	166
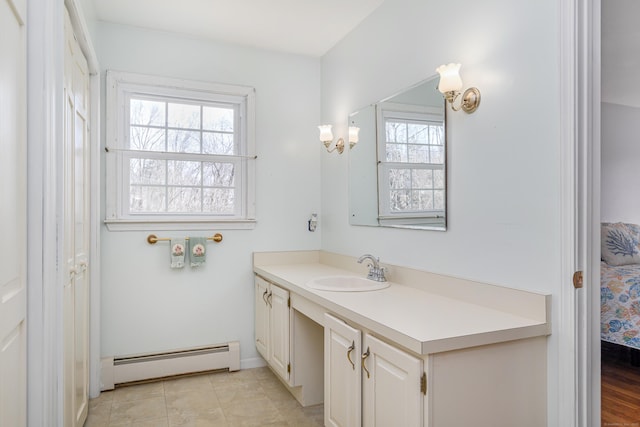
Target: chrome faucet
375	271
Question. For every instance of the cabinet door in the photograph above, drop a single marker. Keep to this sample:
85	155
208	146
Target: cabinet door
391	392
279	330
262	317
342	374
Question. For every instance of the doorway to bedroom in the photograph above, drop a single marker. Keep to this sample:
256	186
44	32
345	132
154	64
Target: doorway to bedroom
620	214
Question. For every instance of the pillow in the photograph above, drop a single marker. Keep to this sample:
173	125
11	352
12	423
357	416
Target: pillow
633	229
619	244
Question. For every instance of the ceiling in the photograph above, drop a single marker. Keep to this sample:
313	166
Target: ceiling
307	27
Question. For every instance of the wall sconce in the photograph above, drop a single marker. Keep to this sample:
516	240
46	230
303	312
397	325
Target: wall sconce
326	137
354	131
450	86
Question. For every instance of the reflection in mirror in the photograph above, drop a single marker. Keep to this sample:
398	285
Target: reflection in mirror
397	171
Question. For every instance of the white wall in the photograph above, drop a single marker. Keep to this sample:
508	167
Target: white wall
620	163
145	305
504	180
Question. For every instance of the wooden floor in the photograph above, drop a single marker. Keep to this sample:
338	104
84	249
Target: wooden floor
620	388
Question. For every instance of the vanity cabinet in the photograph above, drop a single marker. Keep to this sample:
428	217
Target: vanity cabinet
447	353
369	382
272	321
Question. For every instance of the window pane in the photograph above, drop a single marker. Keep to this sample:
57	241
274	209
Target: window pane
217	119
184	199
437	154
147	171
399	178
436	135
218	143
438	199
422	200
422	178
144	199
399	200
438	178
396	153
142	112
396	132
218	174
184	172
417	134
184	116
183	141
418	153
146	138
218	200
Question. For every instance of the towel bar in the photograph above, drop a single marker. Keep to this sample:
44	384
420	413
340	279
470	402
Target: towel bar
152	239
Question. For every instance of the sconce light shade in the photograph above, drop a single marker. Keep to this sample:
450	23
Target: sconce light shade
326	137
325	133
353	135
449	78
451	84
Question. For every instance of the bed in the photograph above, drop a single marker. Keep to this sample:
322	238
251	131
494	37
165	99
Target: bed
620	284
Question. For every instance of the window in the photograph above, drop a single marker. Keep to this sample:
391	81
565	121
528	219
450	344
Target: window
412	167
178	152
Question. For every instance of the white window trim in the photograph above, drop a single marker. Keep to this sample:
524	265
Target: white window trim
409	112
118	85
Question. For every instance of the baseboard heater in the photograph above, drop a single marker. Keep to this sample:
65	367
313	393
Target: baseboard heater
120	370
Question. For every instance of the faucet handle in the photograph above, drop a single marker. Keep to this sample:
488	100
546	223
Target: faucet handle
381	272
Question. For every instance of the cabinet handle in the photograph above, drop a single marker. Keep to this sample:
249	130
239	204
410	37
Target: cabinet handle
351	348
264	295
364	365
269	297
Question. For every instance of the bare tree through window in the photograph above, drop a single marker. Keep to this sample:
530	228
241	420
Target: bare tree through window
189	181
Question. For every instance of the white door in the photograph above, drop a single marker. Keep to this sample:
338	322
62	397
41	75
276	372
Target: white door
279	336
76	231
13	213
342	374
262	317
391	394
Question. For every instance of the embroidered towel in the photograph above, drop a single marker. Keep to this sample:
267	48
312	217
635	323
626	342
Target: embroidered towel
198	250
177	253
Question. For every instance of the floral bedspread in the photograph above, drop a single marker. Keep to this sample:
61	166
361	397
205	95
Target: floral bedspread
620	304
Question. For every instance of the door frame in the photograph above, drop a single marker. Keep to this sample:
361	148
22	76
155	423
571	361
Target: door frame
45	123
579	339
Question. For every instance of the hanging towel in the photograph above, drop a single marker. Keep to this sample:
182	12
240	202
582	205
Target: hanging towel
177	253
198	250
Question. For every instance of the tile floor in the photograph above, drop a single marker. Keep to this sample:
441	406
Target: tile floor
252	397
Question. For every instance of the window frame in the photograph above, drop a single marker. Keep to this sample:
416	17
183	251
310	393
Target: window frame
404	112
121	87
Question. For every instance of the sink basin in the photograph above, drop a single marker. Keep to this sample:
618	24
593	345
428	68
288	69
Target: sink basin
346	284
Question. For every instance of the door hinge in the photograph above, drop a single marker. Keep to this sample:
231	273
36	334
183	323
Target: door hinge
423	383
289	302
288	368
578	279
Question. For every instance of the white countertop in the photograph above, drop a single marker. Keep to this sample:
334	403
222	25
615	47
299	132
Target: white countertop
420	321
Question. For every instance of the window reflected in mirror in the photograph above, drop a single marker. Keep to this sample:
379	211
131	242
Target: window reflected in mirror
397	172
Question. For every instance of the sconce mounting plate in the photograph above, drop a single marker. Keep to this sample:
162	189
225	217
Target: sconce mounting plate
470	100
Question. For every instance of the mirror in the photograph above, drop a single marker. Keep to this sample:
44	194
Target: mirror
397	170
